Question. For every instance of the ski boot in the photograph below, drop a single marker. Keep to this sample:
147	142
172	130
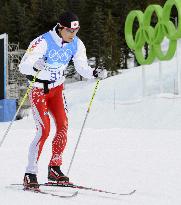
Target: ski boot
56	175
30	182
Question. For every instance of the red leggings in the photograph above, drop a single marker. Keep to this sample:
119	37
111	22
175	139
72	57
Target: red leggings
43	104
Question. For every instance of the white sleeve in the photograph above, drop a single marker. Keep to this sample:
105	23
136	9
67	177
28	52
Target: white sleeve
81	62
35	51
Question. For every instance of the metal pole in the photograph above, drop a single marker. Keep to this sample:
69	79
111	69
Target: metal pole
160	77
143	81
177	61
178	69
88	110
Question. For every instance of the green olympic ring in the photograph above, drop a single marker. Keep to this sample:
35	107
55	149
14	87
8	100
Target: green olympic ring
153	36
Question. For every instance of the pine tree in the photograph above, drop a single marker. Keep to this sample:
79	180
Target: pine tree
86	23
111	44
97	34
44	15
13	19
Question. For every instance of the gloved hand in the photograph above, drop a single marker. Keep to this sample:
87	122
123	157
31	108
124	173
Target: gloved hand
44	75
100	73
39	65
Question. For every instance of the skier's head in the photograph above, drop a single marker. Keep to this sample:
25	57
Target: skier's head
68	25
69	20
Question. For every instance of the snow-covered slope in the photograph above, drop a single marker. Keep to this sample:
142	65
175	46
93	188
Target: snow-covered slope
129	142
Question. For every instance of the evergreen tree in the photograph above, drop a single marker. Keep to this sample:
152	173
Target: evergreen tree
86	23
13	20
111	44
44	15
97	35
100	21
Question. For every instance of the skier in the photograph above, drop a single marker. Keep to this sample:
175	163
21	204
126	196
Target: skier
46	58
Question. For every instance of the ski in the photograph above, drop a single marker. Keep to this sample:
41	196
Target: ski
52	194
80	187
71	185
39	191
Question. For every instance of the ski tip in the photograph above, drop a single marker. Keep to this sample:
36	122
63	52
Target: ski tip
76	193
126	194
132	192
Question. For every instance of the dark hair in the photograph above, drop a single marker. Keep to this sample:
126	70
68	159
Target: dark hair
67	17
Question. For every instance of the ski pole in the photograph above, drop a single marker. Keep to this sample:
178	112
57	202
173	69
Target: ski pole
88	110
22	102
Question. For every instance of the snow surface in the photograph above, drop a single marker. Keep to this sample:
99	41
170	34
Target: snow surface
129	142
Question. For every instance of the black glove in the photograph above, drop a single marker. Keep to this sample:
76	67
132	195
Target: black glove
100	73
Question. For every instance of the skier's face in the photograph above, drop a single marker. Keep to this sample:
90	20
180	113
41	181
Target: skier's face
68	34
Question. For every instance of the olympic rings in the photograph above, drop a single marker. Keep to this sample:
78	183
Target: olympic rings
153	36
60	55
